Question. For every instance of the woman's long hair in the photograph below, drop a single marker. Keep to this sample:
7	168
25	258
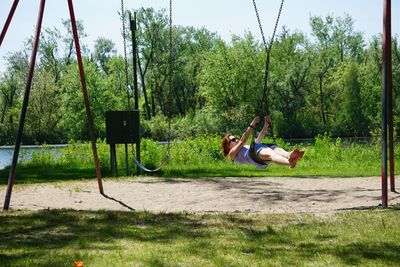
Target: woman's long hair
225	144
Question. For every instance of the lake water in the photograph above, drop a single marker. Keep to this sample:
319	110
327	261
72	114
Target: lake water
26	152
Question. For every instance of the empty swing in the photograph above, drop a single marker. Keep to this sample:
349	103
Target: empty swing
136	157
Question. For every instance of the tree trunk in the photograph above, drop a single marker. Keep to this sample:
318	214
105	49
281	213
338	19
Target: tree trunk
321	97
153	104
142	79
3	114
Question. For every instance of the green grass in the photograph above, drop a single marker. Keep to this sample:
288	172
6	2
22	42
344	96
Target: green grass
109	238
201	157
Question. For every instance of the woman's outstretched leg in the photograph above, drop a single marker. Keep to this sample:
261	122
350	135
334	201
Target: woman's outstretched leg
269	154
282	152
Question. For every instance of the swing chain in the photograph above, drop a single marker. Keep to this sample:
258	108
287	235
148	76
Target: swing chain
268	48
259	25
170	52
170	70
125	53
264	105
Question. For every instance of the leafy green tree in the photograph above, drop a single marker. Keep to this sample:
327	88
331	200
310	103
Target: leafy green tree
152	41
324	60
104	49
231	81
329	81
352	120
395	79
190	46
101	98
290	80
12	85
370	77
44	114
48	53
8	97
69	55
115	82
336	42
348	43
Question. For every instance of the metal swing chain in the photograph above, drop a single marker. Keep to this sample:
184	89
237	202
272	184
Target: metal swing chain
125	53
170	52
167	154
170	73
260	26
268	48
268	51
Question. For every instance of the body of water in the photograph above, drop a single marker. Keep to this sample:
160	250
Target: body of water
25	153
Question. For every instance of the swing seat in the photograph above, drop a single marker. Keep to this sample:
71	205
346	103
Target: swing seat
254	155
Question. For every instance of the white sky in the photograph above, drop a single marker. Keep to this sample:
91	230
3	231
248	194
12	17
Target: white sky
226	17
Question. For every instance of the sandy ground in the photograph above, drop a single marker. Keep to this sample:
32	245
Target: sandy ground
260	195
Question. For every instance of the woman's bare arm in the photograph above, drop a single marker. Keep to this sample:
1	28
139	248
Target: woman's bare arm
236	149
261	135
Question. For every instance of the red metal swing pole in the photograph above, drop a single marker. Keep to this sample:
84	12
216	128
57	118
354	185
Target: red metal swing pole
11	177
390	95
85	96
8	21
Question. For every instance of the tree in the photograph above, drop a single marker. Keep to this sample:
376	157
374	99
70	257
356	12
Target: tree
44	113
231	80
324	59
370	76
102	98
152	41
68	40
351	116
190	45
115	82
48	54
12	84
104	49
336	42
290	80
348	43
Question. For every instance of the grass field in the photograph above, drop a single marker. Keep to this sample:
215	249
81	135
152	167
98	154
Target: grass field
106	238
201	157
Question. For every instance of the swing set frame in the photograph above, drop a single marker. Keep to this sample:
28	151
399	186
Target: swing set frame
387	102
11	177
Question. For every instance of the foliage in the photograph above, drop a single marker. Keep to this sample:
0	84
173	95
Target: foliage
351	116
327	82
231	79
202	157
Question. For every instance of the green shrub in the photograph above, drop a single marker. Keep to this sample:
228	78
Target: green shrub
202	157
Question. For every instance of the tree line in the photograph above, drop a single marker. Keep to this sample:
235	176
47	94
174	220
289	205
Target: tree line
328	81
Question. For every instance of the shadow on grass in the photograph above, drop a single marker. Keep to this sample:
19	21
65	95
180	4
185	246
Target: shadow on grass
45	174
56	237
26	174
29	237
352	254
54	173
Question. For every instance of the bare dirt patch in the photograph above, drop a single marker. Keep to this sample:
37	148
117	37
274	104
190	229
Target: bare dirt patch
260	195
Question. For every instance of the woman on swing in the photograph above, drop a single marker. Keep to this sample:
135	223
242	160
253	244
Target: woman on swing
258	154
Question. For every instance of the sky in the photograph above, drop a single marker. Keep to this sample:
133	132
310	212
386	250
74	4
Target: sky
226	17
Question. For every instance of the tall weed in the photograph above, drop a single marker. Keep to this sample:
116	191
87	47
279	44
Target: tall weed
201	156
